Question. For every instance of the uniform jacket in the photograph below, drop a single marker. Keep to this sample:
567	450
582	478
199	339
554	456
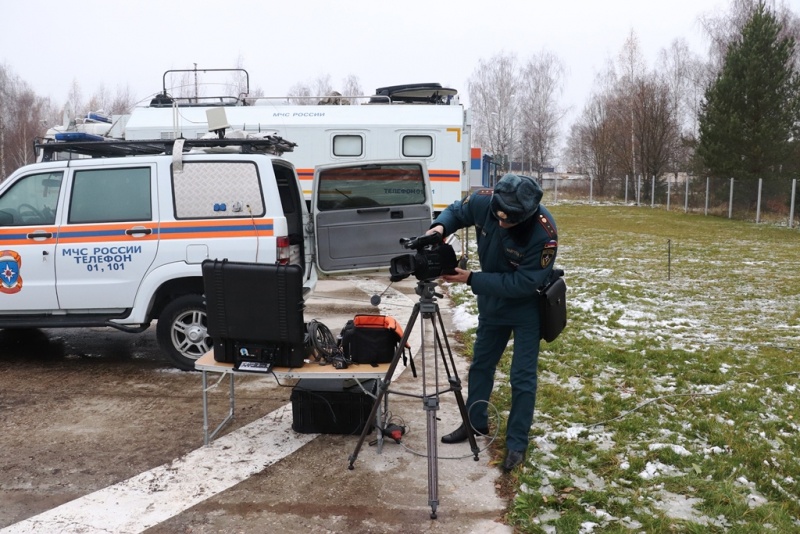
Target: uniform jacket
513	266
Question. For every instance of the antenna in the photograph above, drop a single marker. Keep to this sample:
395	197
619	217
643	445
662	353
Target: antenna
217	121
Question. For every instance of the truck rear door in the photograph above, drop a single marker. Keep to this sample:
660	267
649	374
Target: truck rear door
361	211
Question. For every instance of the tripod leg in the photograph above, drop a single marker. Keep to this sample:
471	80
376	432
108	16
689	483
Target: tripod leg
455	381
431	407
384	385
455	384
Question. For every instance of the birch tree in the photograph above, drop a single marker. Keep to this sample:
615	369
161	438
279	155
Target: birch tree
540	112
492	90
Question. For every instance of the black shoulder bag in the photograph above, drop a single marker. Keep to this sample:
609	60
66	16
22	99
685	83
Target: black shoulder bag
553	306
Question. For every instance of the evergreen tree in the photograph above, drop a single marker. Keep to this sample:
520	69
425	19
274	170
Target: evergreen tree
750	118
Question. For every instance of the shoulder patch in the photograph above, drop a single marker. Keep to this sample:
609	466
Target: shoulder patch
547	257
547	225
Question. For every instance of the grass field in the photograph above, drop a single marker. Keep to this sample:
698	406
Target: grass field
670	402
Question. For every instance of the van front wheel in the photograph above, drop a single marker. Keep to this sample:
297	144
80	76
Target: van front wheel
182	331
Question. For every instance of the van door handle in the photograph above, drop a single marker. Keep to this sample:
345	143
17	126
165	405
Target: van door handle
138	230
39	235
371	210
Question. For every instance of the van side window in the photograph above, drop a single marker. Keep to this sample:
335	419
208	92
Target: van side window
370	185
217	190
31	200
417	146
111	195
348	145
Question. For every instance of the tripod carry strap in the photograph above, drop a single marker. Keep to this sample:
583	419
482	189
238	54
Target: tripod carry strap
410	357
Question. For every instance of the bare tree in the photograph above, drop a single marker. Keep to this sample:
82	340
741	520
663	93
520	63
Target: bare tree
300	94
678	68
632	68
351	86
75	104
722	29
322	85
98	101
642	110
101	101
655	126
27	118
686	76
304	93
589	144
23	117
122	102
492	92
5	98
574	156
540	112
238	83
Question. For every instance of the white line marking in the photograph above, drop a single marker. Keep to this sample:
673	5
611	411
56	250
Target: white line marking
154	496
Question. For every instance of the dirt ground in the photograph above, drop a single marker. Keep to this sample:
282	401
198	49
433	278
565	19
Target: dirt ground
81	410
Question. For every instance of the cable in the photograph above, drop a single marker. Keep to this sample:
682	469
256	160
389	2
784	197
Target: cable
495	417
651	401
324	345
255	229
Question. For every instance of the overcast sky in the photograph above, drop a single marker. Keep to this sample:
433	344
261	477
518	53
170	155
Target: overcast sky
52	43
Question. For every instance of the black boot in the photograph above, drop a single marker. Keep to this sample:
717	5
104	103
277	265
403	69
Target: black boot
460	434
513	459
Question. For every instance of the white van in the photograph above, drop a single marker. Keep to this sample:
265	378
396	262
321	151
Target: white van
116	235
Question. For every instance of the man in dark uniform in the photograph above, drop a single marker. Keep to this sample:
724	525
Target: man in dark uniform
517	243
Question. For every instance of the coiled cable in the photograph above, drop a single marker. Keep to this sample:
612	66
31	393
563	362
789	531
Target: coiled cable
321	342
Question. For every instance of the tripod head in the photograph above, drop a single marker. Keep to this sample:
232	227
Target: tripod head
426	289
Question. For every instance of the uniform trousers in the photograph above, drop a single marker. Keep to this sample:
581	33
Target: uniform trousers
490	342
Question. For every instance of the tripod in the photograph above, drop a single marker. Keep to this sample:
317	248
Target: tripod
429	308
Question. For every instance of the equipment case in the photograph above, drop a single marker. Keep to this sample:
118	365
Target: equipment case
332	406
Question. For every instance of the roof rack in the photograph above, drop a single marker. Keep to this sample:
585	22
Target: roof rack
272	144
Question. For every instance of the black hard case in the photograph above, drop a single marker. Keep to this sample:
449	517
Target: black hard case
257	307
332	406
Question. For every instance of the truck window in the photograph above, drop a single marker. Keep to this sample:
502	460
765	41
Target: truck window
370	185
217	190
31	200
110	195
348	145
417	146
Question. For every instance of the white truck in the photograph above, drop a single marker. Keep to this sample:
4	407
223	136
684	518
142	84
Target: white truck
113	233
409	122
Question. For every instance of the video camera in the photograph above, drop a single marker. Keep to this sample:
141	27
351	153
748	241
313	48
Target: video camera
433	258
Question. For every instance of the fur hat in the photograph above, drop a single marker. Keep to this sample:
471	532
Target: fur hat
515	198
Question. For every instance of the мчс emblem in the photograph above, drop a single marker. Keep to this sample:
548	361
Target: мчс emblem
549	253
10	280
